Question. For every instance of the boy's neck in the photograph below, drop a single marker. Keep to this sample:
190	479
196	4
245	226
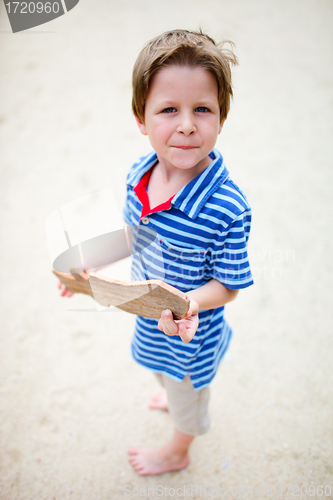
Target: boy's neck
165	181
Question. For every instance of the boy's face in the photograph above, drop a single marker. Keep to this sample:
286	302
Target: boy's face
182	117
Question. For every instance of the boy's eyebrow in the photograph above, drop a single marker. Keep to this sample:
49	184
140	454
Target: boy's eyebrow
207	101
167	103
199	102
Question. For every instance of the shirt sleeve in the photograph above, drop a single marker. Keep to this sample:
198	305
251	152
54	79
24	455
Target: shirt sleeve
127	213
229	261
127	210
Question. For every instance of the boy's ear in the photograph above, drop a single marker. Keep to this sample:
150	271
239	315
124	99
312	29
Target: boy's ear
141	126
221	125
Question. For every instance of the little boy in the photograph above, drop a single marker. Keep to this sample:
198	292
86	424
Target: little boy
181	98
183	193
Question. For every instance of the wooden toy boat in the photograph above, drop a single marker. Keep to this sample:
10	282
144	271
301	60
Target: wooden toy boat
144	298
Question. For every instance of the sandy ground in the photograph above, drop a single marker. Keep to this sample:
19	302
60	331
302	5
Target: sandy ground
71	398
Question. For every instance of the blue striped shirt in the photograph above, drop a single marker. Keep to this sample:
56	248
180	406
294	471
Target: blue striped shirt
202	235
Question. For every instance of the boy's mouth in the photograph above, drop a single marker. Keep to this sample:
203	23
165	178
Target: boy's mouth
185	147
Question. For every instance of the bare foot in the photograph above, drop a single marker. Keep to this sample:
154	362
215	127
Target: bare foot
159	401
148	462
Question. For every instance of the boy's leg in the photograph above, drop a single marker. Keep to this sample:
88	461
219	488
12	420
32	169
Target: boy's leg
159	400
188	408
189	411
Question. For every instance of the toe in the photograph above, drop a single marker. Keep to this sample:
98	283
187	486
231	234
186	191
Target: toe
133	461
132	451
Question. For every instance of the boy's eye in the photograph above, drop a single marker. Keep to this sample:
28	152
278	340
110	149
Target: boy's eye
202	109
168	110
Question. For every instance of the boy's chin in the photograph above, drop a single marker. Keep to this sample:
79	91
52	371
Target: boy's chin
188	161
198	164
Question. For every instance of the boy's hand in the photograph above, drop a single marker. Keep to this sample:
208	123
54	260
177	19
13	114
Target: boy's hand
185	328
64	291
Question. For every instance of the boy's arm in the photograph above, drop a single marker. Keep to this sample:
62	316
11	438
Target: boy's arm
212	295
209	296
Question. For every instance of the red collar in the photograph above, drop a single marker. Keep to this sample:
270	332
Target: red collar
141	192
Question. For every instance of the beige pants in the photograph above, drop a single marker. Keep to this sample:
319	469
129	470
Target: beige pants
188	408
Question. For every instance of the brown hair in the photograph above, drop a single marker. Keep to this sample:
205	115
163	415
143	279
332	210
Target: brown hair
183	48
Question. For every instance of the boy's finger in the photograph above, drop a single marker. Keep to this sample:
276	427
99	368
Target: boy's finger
189	313
168	324
184	334
66	293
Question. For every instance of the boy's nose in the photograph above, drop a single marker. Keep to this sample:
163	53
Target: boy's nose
186	125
